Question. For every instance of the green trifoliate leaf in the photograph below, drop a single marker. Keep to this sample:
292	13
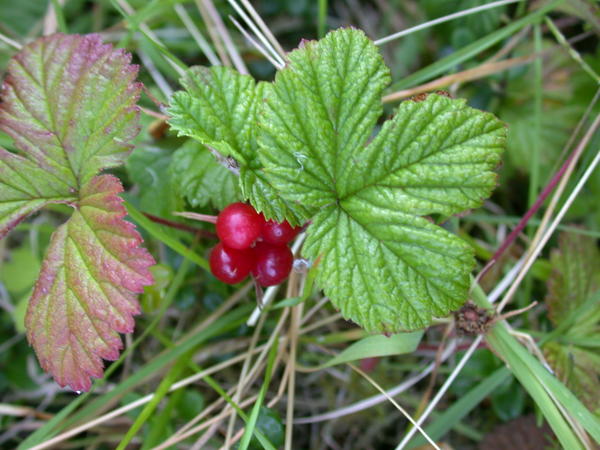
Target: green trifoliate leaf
384	265
218	108
199	178
87	290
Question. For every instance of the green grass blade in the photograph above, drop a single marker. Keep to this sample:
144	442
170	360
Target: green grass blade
322	25
506	345
453	415
159	394
534	169
251	423
60	17
134	23
543	387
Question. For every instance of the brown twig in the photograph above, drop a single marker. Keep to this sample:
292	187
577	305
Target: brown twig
466	75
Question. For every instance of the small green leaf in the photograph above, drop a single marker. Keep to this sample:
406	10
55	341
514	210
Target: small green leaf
375	346
386	267
87	290
201	179
148	167
218	109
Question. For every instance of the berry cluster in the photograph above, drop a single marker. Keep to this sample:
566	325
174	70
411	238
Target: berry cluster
251	244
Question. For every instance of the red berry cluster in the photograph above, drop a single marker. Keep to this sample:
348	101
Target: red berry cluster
250	243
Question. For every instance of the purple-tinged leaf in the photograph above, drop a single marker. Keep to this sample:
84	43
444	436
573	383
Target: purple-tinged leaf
87	290
69	102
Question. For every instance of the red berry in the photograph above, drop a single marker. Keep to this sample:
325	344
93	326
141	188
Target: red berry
239	225
279	233
229	264
272	263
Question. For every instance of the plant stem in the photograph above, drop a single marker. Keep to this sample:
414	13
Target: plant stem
181	226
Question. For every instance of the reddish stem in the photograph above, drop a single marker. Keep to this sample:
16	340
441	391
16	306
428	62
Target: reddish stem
153	98
528	215
181	226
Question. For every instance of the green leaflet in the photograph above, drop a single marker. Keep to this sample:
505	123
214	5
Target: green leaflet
386	267
218	109
199	178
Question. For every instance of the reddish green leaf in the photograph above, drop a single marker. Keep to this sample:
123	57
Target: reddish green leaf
69	103
86	293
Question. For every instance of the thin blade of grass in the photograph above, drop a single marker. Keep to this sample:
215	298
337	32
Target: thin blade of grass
251	423
137	25
60	17
159	394
572	52
198	37
448	18
322	20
